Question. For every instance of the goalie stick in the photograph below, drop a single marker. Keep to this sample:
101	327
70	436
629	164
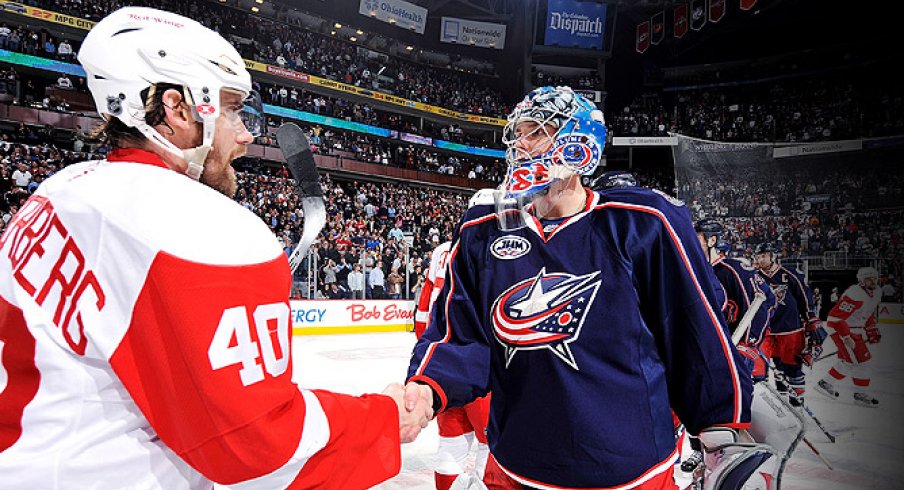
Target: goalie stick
744	325
300	160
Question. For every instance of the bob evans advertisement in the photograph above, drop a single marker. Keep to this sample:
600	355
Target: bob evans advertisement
324	317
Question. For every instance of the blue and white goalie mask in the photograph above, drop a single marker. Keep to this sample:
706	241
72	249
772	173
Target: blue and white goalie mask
550	136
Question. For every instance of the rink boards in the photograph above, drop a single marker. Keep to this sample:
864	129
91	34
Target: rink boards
328	317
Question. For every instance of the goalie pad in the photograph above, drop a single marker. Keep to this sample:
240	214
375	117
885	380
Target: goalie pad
774	422
733	462
744	467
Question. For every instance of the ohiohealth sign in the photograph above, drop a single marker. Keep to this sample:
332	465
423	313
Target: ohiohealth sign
574	24
396	12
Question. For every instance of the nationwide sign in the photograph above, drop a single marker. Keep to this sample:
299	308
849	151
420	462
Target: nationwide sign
473	33
396	12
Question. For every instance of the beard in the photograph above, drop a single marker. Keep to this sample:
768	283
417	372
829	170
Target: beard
219	175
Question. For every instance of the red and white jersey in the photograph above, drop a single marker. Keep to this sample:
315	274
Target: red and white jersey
856	309
436	277
145	343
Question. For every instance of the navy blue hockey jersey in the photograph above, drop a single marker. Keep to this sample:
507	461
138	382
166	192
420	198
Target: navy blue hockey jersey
740	283
794	299
589	334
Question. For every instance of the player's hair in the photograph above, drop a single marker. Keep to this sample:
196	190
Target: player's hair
116	134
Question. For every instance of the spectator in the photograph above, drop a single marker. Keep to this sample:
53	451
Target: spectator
377	281
356	282
396	282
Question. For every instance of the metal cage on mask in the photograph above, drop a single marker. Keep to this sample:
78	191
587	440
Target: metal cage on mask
574	135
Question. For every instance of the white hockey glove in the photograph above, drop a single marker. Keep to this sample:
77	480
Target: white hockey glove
733	461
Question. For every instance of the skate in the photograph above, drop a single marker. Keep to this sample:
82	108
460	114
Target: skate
692	461
865	400
826	389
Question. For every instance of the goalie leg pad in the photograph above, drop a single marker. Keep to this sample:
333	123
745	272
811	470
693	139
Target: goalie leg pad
744	467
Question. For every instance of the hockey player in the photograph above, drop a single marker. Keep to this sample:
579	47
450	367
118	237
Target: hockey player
590	316
853	324
144	315
739	283
795	331
458	426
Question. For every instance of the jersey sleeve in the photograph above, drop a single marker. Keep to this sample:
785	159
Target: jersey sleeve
708	383
422	309
803	295
206	357
760	324
453	355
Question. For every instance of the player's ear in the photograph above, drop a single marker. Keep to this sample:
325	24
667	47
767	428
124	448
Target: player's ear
178	113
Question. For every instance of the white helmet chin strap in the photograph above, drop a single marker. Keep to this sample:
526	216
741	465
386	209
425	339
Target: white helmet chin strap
194	157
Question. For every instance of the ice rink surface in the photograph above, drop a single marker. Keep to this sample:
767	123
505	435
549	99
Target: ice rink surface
868	452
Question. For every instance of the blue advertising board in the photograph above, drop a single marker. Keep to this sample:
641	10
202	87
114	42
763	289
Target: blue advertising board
573	24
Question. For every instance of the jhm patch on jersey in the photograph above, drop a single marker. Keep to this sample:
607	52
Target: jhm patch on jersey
510	247
544	311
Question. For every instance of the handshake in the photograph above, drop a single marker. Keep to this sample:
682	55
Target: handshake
415	402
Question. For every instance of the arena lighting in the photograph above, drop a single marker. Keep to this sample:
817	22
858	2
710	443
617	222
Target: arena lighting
359	32
409	48
255	9
353	39
259	1
337	25
332	33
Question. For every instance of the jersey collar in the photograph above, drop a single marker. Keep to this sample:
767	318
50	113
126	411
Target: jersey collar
136	155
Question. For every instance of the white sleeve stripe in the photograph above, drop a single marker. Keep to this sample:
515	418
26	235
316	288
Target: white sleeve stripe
314	436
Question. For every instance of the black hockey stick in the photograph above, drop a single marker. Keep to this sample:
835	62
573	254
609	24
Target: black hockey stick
778	374
826	356
300	160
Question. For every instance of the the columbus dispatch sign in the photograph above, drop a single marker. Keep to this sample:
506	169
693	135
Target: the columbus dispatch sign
396	12
575	24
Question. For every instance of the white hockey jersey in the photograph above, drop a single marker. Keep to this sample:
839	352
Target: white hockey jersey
145	343
856	309
436	277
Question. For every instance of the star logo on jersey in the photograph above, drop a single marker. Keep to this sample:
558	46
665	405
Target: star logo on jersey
779	291
544	312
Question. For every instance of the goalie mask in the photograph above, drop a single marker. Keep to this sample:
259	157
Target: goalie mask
551	135
133	49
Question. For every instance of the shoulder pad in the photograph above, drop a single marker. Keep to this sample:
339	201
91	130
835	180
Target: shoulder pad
482	197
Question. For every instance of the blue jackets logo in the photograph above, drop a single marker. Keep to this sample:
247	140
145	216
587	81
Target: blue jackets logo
577	152
510	247
544	312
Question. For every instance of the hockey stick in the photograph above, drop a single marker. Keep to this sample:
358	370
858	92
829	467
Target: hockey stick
825	356
828	434
744	325
818	454
300	160
807	410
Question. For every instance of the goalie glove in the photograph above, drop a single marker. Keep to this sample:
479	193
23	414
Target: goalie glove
730	464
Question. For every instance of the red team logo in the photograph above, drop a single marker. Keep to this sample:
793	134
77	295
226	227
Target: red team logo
544	311
206	109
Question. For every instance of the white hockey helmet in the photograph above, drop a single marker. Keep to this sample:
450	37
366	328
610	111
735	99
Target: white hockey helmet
864	273
134	48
